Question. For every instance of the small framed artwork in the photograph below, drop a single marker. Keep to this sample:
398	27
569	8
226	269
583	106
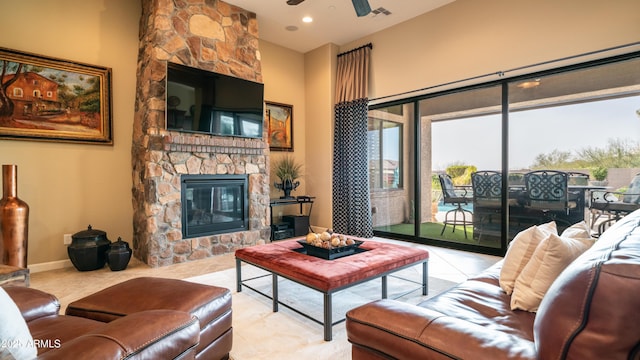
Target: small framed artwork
280	118
48	99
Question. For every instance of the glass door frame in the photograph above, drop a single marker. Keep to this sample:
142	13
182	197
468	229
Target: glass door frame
417	178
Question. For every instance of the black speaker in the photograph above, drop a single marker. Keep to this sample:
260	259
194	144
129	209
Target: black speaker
299	223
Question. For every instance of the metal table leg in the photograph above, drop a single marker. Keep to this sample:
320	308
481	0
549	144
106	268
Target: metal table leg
328	317
384	286
238	276
274	289
425	275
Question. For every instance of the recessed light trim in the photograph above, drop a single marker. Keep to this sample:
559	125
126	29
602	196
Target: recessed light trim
307	19
529	84
291	28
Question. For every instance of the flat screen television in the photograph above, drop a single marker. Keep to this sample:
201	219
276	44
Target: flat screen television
207	102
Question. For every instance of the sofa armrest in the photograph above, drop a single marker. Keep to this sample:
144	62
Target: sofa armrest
152	334
33	303
404	331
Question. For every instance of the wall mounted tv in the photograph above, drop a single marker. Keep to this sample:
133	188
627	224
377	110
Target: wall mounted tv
207	102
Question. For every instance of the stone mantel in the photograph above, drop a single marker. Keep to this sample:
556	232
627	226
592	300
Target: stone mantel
210	35
177	141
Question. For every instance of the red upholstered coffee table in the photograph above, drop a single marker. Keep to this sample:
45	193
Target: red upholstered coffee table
282	258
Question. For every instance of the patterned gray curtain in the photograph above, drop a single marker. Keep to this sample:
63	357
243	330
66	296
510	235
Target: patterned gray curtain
351	198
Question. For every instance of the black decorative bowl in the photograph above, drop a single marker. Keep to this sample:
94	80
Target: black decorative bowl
88	248
118	255
333	253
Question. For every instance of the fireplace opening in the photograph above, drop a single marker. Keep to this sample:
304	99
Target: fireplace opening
214	204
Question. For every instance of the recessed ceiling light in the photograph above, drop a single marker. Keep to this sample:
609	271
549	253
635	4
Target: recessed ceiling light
307	19
529	84
291	28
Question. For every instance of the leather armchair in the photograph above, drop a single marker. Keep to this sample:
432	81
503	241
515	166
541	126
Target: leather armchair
152	334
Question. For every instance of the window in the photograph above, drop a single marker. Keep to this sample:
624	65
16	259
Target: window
385	154
574	119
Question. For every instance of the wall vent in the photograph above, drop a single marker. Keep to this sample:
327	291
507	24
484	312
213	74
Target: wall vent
381	10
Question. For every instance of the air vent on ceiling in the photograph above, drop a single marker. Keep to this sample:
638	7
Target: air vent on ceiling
381	10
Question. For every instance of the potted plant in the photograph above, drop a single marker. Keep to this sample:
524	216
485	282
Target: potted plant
287	170
600	175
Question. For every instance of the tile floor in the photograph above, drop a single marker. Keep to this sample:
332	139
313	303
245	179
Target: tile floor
68	284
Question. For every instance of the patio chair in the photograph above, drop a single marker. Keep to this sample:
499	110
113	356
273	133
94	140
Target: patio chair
487	201
576	181
615	204
548	192
450	196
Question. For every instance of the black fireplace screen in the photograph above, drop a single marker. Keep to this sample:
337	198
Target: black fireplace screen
214	204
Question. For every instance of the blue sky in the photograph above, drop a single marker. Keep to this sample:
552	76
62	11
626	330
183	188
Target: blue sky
476	141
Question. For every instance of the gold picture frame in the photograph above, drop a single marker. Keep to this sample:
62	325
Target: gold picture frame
48	99
280	118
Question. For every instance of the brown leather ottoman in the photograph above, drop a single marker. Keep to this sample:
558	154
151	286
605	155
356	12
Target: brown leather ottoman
210	304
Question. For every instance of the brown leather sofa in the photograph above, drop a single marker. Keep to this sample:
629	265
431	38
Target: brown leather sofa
591	311
142	318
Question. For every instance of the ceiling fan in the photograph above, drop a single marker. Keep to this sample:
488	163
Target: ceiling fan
362	7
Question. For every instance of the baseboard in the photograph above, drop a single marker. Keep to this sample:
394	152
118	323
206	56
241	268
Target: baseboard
52	265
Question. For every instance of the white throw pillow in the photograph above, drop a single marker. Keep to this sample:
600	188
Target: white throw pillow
550	258
520	251
578	231
17	342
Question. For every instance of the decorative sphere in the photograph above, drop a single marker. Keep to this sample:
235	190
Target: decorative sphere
311	237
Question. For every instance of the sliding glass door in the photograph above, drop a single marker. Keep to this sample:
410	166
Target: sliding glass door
391	169
583	122
450	167
460	134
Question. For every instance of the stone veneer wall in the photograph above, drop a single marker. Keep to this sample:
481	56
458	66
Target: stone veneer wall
211	35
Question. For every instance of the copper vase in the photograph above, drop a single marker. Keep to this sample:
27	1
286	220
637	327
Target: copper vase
14	220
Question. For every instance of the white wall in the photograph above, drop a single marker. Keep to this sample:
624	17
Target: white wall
283	75
320	74
306	82
69	186
468	38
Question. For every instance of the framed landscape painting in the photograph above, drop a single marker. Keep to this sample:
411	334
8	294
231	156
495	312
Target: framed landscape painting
280	117
47	99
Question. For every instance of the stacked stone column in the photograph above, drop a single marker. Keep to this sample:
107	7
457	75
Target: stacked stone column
210	35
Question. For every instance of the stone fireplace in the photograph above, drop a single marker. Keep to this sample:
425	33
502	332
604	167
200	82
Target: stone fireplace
210	35
214	204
